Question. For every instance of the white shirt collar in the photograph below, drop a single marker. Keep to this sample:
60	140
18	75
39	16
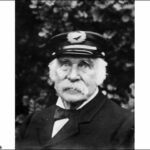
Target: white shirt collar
60	102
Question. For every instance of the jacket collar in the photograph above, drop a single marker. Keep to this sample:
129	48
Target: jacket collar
90	110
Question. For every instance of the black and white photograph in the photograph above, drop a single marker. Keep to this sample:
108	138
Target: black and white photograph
74	74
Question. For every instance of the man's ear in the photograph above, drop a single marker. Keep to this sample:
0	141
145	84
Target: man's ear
101	71
52	75
50	82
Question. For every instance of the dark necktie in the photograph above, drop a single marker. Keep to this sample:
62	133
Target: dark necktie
61	113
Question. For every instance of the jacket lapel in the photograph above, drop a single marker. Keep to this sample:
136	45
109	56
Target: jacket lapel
69	129
90	110
44	129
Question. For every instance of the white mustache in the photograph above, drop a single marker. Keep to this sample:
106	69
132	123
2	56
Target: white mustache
73	88
80	87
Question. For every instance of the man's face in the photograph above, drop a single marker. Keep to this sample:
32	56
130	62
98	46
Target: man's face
75	78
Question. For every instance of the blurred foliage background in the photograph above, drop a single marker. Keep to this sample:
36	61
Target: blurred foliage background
39	20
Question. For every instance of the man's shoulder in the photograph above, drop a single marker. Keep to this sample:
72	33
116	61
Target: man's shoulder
43	113
119	120
115	108
113	112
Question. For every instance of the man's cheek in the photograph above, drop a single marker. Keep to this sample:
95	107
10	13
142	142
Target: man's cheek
58	87
61	74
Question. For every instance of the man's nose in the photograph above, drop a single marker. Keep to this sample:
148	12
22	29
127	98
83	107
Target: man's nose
73	74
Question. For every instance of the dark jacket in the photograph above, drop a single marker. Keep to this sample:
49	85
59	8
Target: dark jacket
101	124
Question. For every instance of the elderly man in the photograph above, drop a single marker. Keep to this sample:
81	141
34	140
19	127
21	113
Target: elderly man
82	118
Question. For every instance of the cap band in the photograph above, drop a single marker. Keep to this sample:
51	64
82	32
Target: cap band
79	50
80	47
76	53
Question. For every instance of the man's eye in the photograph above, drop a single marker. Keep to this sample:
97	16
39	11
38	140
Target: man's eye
65	63
84	64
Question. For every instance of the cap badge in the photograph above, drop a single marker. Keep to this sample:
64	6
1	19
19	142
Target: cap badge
76	37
